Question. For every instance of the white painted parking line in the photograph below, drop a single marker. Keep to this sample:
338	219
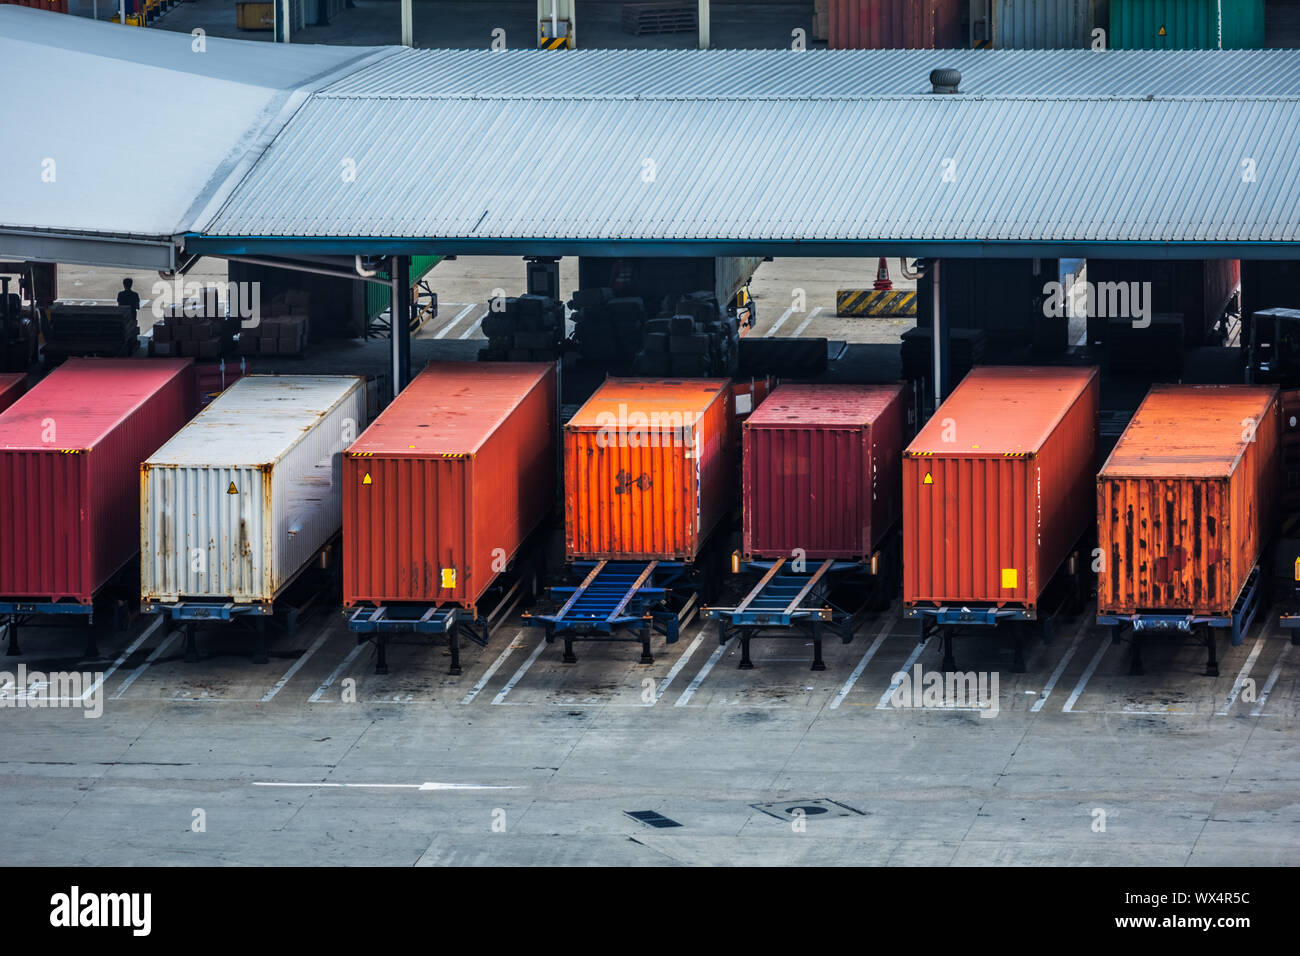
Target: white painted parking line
493	668
157	653
694	685
1087	674
157	623
500	698
899	675
432	785
778	323
1273	675
804	324
678	665
297	665
452	324
1079	632
883	633
474	328
338	671
1242	675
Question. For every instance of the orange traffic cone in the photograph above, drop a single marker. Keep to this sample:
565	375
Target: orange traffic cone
882	277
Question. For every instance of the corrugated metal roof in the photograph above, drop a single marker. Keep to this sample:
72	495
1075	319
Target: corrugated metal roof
820	74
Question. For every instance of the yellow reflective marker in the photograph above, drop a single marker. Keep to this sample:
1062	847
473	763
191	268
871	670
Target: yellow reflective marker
928	479
232	490
366	480
449	578
1297	569
1009	577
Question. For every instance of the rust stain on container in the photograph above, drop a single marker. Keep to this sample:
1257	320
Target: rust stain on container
648	468
70	456
997	487
12	387
1187	498
443	489
822	470
895	24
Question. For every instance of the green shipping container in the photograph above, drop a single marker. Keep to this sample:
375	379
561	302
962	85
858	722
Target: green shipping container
379	296
1186	24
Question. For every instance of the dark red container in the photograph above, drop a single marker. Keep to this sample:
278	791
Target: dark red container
54	6
12	386
822	470
443	489
895	25
70	455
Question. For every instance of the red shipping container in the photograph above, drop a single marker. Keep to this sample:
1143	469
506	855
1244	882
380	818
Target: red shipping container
447	483
648	469
12	386
70	455
1187	499
822	470
895	25
55	6
999	486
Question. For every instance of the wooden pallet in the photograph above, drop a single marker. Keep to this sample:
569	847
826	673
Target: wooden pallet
642	18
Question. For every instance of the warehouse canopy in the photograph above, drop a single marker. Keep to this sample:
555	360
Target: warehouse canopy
295	151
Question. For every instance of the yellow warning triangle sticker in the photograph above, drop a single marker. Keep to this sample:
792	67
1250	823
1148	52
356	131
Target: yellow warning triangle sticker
366	480
232	490
1162	32
928	480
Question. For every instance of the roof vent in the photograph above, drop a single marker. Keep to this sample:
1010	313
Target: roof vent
944	81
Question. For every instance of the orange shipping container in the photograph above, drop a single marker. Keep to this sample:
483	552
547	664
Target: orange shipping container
448	483
1186	499
648	469
997	487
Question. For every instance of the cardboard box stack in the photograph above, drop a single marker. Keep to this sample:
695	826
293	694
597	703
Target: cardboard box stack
282	327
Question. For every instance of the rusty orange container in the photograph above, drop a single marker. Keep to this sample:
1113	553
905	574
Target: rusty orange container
998	487
442	490
12	387
821	470
1187	499
648	469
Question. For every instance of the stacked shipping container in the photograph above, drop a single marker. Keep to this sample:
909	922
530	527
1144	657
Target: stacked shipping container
443	489
70	454
246	495
1186	24
895	24
648	469
1035	24
1187	498
821	470
997	487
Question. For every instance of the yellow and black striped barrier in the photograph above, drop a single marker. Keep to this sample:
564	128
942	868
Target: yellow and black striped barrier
553	43
874	304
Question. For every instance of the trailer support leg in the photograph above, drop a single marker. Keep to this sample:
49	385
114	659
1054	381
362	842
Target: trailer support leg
1018	665
1115	631
818	664
259	648
13	650
646	656
1135	662
569	656
381	661
191	645
453	642
92	646
949	662
1212	663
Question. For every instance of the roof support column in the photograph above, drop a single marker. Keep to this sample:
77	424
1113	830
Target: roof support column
401	273
408	24
939	338
702	18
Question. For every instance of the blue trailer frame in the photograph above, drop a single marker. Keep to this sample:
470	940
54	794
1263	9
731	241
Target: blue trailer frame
17	610
1237	623
190	614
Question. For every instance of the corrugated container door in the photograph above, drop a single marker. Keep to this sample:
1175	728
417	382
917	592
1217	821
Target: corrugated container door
45	545
206	533
1042	24
807	488
1186	24
974	529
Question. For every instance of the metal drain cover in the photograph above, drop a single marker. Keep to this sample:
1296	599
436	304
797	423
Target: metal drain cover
816	807
652	818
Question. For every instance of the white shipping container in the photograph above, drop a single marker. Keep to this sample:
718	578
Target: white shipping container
246	494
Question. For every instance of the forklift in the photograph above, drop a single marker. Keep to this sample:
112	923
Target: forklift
1271	342
19	326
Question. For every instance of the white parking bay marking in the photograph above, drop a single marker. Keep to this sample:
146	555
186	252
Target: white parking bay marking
885	628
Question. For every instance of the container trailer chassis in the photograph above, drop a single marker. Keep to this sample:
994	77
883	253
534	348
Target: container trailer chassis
1202	627
945	619
382	624
622	601
19	613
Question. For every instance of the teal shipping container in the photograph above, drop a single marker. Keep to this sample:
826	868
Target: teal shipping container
1186	24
